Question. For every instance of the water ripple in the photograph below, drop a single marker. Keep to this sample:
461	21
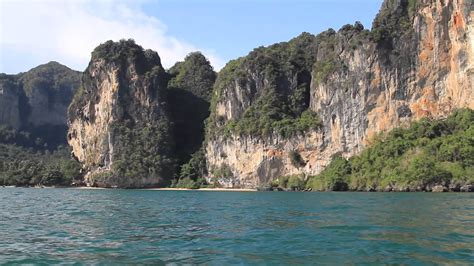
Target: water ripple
48	226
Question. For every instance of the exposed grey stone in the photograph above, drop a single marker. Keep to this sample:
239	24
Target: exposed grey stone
439	188
404	111
467	188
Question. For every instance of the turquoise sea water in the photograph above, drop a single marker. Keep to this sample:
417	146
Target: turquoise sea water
191	227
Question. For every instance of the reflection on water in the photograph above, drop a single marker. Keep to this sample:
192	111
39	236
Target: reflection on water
133	226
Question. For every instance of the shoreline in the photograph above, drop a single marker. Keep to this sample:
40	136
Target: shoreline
150	189
176	189
203	189
224	189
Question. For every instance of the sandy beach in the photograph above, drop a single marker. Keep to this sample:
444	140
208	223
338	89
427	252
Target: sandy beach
184	189
207	189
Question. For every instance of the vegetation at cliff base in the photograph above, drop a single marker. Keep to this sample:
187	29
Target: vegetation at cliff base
142	151
428	153
292	182
333	178
24	161
196	167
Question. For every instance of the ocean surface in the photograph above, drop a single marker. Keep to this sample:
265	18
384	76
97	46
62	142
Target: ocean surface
47	226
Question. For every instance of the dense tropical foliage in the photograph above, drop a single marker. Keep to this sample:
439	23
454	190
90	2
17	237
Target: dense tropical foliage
25	160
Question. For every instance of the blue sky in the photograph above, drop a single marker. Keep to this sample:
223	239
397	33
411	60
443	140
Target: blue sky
35	32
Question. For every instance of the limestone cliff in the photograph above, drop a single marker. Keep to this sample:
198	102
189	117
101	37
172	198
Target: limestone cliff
36	101
417	61
118	123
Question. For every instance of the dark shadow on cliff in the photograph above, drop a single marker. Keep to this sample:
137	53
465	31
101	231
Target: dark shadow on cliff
188	112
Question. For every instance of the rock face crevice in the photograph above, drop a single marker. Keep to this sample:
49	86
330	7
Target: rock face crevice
417	61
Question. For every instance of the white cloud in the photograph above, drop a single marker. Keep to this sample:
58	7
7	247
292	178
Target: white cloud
68	31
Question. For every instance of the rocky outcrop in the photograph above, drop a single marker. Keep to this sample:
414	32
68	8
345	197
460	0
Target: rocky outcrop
49	90
417	61
255	161
118	122
38	97
36	101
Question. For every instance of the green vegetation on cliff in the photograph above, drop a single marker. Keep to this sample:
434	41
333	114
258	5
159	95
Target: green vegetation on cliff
275	80
47	137
268	91
267	117
393	21
143	150
428	153
195	75
126	53
58	81
44	90
54	82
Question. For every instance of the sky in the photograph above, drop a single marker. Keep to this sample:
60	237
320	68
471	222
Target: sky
34	32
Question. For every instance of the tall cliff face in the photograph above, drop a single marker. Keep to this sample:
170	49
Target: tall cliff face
36	101
416	62
118	122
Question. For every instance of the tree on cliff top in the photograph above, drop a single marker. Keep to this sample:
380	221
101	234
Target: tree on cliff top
195	74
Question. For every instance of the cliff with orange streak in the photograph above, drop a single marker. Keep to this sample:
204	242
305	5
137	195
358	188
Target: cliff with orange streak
417	61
